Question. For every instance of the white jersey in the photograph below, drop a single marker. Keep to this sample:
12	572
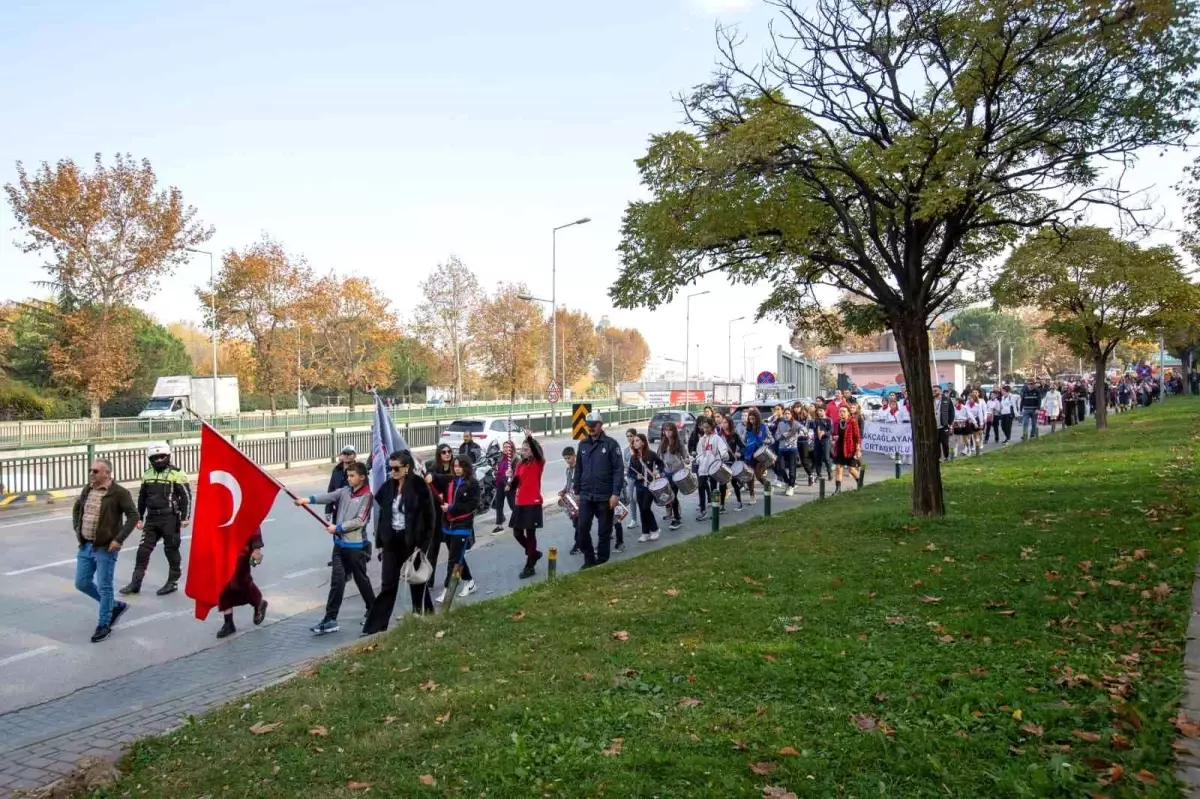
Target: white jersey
977	412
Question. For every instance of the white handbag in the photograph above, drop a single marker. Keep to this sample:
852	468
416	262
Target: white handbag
417	569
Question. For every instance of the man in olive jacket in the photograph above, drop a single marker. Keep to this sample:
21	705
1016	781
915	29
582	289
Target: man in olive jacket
103	517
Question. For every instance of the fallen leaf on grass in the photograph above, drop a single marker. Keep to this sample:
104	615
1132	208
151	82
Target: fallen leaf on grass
1033	729
427	779
587	675
931	600
1118	741
261	728
791	628
762	769
864	722
671	592
620	635
776	792
319	731
770	658
1008	613
442	719
1090	737
440	634
1147	777
947	639
613	749
750	580
1162	591
520	614
895	620
739	746
358	786
389	719
689	701
429	685
1114	774
1053	575
789	751
1140	554
630	673
931	547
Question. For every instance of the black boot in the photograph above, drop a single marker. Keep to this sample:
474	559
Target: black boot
228	629
169	587
134	587
837	487
260	613
862	475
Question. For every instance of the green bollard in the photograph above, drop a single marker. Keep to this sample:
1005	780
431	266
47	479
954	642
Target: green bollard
551	563
767	502
716	518
820	488
897	465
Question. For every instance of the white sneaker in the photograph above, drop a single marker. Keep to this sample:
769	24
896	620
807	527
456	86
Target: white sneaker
467	589
632	524
654	536
790	492
440	598
643	538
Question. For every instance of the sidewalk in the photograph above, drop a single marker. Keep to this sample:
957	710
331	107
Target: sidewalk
41	743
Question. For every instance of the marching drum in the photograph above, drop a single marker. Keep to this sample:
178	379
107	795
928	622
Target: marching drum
570	504
741	472
765	457
721	472
686	481
661	490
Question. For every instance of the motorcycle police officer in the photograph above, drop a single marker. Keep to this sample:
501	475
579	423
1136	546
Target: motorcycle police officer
164	503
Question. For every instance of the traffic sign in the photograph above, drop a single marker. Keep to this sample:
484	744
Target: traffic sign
766	378
579	420
553	392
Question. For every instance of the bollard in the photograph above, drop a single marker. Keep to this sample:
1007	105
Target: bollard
551	563
716	518
821	488
767	502
897	465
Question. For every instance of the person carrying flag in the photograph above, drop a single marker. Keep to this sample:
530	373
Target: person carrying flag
241	590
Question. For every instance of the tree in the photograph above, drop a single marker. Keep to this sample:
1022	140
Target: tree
578	345
891	150
509	336
30	327
93	356
982	331
413	364
354	331
257	293
1100	289
233	357
159	352
450	296
622	356
109	235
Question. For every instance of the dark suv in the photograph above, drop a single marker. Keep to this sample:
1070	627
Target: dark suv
684	420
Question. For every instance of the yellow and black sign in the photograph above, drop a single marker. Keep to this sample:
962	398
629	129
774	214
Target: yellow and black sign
579	412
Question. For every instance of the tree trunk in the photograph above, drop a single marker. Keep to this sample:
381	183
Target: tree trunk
1099	391
912	342
351	398
95	411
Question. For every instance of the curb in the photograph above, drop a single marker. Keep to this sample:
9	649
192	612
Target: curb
36	498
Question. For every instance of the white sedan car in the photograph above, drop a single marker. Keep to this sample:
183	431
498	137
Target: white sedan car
483	429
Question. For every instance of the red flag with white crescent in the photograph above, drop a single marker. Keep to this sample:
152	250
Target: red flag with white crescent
233	496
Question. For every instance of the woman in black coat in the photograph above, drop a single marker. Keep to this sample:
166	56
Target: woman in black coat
407	523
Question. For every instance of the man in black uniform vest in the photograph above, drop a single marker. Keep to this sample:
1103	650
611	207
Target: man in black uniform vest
163	503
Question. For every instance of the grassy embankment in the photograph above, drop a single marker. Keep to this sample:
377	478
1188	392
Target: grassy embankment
1028	644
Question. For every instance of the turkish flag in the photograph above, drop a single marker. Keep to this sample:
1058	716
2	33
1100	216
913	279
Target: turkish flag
233	496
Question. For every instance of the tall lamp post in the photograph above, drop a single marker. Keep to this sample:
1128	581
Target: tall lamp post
687	345
748	335
212	285
554	291
729	347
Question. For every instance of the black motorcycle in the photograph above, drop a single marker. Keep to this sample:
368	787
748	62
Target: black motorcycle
485	475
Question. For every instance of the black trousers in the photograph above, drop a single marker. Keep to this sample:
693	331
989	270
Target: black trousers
352	562
944	439
164	526
645	501
502	496
787	469
1006	423
992	429
706	490
391	560
456	546
806	459
737	492
594	510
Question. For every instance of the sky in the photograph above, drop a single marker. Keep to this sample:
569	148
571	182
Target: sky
379	138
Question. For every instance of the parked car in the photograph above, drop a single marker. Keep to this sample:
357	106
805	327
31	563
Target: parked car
486	431
765	409
684	420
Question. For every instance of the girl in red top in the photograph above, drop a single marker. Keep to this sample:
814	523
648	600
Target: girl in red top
847	447
527	515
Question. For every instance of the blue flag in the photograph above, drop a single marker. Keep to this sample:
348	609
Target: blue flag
385	439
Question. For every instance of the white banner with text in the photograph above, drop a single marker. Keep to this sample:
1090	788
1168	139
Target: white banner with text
887	438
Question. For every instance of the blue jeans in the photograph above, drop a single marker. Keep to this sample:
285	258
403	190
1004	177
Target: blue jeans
1029	420
94	570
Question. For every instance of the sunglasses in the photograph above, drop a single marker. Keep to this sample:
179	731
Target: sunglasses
97	471
396	469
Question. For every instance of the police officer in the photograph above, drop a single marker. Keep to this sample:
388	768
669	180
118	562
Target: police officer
164	503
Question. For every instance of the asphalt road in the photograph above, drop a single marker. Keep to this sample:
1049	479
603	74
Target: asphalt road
45	624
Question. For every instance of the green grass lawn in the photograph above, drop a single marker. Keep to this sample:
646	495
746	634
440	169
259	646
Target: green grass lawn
1028	644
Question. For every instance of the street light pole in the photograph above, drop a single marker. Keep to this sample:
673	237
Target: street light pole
999	362
748	335
554	293
729	347
212	286
687	345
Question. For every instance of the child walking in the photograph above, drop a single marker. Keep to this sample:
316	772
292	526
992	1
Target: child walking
527	488
241	589
458	516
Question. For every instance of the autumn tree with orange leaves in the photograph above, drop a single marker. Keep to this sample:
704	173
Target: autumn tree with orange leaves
94	356
509	339
353	329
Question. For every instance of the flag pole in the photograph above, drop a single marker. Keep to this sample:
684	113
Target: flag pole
271	477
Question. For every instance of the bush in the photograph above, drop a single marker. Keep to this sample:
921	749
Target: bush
19	402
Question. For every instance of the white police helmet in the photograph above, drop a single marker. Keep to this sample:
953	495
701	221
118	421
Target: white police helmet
158	448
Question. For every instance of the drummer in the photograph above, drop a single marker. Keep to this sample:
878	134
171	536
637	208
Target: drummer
711	452
673	455
644	468
757	437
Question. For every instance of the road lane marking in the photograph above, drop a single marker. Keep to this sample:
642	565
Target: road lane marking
303	572
41	520
39	568
26	655
166	614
